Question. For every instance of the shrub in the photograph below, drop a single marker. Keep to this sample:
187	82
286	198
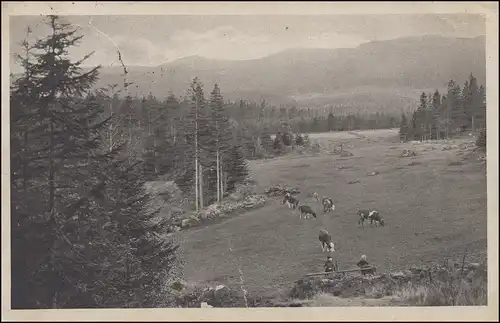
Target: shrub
299	140
481	139
305	288
451	287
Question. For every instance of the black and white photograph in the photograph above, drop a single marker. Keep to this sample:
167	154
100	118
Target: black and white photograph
171	160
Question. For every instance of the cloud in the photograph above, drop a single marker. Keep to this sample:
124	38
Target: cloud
332	40
154	40
223	42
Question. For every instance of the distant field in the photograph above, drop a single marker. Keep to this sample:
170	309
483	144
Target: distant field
345	135
432	211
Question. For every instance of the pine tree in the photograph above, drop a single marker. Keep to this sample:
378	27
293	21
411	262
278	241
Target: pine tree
420	119
453	105
481	111
475	101
194	124
82	230
404	128
60	146
222	136
436	110
331	122
236	167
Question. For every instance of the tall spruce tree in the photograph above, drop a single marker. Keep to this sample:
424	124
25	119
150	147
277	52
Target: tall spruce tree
404	128
194	123
56	153
222	136
83	236
454	107
474	103
436	111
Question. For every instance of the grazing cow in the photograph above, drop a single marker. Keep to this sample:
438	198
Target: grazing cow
306	211
316	196
328	205
371	215
374	216
291	201
363	215
326	241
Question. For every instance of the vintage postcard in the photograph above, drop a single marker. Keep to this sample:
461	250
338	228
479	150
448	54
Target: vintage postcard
268	161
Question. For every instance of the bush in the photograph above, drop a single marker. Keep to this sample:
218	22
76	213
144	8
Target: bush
454	291
287	139
305	288
481	139
448	285
299	140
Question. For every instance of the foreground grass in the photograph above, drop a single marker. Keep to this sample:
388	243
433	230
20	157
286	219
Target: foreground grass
454	291
438	285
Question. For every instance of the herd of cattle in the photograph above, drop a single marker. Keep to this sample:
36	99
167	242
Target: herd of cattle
324	237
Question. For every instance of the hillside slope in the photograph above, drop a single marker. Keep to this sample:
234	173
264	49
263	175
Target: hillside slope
430	214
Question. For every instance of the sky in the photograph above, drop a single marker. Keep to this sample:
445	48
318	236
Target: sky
155	40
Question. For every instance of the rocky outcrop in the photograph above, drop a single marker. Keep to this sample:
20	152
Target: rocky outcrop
381	285
279	190
408	153
216	211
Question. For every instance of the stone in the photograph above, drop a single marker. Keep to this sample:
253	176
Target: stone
397	274
205	305
184	223
219	287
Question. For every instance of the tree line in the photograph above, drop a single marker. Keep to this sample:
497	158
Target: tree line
444	116
191	141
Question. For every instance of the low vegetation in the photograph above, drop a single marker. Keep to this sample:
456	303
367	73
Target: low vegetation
448	284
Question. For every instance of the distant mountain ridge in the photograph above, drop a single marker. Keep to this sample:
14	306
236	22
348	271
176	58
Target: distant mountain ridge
383	75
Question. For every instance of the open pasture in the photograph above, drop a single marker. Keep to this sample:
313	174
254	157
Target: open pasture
434	208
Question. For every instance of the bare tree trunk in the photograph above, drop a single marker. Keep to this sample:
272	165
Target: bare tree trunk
221	182
196	186
218	178
51	208
149	122
130	130
25	161
196	161
224	184
111	128
200	172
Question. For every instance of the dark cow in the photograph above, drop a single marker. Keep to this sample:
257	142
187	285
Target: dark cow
328	205
291	201
363	215
371	215
374	216
326	241
306	211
